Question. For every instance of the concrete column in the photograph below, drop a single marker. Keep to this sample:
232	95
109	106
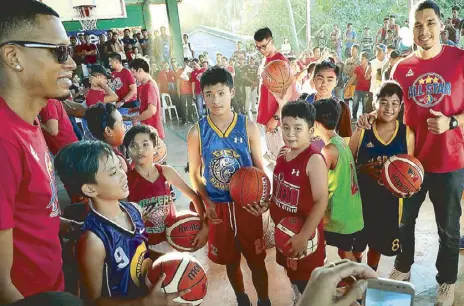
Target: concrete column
175	30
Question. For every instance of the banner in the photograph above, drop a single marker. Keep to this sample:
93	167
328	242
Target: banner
94	34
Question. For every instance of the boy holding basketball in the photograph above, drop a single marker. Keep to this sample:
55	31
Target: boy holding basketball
371	148
343	217
112	252
219	144
149	188
300	170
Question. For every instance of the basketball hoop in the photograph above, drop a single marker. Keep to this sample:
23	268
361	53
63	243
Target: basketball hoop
86	15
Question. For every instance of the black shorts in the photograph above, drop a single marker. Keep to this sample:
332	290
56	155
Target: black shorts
345	242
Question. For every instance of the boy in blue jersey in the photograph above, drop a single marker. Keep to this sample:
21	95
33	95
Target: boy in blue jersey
112	252
371	148
218	145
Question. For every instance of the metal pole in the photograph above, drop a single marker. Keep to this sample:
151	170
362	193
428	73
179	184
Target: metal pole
292	22
174	25
308	23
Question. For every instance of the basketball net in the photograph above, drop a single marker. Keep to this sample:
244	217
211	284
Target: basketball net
86	15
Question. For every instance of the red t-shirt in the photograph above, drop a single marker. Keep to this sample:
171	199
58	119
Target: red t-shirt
121	82
437	84
185	87
89	59
164	78
156	199
195	77
94	96
149	94
29	205
362	84
55	110
231	69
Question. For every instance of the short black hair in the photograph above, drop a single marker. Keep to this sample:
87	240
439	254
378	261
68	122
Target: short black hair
349	24
115	56
388	89
140	129
195	60
428	4
77	164
300	109
356	46
98	117
328	112
262	34
311	67
455	8
216	75
21	16
365	55
144	30
126	30
139	63
327	64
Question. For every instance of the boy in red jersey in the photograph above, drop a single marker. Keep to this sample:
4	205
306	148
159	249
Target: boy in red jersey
301	169
99	90
432	79
149	188
149	97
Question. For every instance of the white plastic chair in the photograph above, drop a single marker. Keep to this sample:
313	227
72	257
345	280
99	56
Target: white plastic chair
168	106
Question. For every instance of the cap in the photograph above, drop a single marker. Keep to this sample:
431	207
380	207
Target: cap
381	47
99	69
394	54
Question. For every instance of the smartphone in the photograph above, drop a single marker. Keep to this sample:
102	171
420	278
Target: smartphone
387	292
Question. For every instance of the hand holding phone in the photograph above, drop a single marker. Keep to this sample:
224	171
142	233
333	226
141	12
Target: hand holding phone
387	292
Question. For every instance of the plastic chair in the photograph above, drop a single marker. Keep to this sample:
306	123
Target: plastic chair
168	106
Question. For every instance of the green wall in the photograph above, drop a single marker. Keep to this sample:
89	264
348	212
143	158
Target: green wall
134	18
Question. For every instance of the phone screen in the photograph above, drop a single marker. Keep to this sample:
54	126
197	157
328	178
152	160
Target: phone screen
377	297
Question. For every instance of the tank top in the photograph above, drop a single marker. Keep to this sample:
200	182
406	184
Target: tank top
292	194
155	200
223	154
344	211
126	252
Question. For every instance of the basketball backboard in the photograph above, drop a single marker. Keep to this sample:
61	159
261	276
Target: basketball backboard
105	9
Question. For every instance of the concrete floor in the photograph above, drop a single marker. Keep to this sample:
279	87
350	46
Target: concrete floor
220	292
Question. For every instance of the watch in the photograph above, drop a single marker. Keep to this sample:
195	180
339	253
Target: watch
453	123
276	117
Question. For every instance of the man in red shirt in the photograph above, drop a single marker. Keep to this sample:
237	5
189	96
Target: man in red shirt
57	128
362	78
29	209
149	97
432	79
166	78
88	51
184	91
195	78
268	108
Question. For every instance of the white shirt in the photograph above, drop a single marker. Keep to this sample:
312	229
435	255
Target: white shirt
375	65
187	53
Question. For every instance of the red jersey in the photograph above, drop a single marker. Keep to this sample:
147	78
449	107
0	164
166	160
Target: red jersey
89	59
185	87
29	205
149	94
195	77
121	82
55	110
94	96
156	201
362	84
164	78
437	84
292	196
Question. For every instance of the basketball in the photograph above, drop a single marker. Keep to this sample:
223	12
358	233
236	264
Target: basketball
182	230
289	227
402	174
249	185
277	76
161	152
182	272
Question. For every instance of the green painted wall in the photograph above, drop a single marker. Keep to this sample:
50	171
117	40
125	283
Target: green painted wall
134	18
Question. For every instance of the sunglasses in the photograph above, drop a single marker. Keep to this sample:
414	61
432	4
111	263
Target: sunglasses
61	52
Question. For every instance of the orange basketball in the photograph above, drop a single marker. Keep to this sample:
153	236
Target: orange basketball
277	76
402	174
161	151
249	185
289	227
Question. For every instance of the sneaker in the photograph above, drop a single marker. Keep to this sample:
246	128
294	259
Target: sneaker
399	276
461	243
264	302
243	300
445	295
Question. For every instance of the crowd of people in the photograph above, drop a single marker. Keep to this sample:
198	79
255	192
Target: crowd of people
100	136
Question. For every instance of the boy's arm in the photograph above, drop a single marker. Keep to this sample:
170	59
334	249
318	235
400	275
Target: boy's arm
110	95
194	160
354	143
51	127
330	154
410	140
317	173
254	137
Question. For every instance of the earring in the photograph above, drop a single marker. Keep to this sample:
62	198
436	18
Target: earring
18	67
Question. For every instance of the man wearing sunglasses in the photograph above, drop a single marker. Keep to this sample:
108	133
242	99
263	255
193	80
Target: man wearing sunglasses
35	66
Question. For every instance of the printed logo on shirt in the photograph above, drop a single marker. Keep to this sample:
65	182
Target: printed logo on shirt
370	145
410	73
286	195
53	204
429	90
117	83
296	172
139	264
222	167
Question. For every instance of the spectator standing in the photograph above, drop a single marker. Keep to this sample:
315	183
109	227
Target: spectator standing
250	81
456	21
382	32
165	45
367	41
350	38
184	90
124	85
444	35
195	78
361	79
336	40
187	46
348	70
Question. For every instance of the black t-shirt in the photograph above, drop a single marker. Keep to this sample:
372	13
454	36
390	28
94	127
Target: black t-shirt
252	73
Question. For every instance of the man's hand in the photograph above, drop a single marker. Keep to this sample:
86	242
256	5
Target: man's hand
257	209
210	212
299	244
283	97
439	124
271	126
373	169
157	297
366	121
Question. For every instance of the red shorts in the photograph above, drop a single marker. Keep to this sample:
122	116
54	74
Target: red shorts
239	233
300	270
